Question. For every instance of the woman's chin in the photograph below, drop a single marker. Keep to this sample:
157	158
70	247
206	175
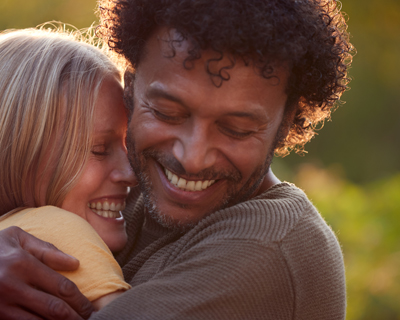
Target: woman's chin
117	242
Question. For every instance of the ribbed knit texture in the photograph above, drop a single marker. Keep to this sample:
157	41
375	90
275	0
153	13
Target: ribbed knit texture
272	257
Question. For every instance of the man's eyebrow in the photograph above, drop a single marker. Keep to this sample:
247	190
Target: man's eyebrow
255	116
157	93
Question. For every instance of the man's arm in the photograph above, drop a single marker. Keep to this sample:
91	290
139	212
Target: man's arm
29	287
226	279
294	273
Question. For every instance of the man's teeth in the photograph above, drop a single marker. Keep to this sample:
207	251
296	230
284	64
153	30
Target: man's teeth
187	185
106	209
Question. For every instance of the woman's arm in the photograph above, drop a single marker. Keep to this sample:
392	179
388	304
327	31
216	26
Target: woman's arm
106	299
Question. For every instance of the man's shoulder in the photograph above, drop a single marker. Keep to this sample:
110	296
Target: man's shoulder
282	219
282	226
268	217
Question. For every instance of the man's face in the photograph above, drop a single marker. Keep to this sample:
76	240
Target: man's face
197	148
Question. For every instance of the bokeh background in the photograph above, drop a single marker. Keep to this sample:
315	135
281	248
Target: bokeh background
352	169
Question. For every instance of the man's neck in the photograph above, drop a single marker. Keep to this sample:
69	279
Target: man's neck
269	180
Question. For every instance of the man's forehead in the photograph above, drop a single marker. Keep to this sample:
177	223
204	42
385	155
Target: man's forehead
169	44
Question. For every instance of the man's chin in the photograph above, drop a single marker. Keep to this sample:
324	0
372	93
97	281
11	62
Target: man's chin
179	219
170	223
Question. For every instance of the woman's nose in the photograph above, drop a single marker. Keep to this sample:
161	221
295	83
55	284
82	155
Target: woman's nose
123	172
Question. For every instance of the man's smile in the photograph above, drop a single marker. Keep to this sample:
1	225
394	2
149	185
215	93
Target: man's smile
187	185
183	191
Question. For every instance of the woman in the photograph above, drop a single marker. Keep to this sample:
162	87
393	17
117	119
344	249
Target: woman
62	147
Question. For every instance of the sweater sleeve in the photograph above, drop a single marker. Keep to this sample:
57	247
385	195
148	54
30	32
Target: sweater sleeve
228	279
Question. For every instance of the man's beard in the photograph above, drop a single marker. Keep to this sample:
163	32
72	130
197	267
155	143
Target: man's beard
235	194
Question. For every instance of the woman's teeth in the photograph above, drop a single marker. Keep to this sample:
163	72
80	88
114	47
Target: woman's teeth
106	209
187	185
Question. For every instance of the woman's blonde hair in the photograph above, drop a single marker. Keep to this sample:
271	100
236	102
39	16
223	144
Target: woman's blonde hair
49	83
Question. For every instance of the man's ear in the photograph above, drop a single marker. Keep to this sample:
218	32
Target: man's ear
290	114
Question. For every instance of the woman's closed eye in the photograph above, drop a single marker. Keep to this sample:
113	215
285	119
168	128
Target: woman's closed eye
99	150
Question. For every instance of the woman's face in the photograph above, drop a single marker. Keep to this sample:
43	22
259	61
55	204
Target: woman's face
100	193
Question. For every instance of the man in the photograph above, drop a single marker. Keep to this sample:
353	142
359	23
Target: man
216	88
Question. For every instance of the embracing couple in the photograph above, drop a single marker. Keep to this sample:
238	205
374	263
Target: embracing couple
213	90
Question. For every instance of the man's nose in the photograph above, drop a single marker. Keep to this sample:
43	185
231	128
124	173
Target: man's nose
195	150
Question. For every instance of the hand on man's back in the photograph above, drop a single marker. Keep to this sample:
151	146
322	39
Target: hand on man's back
29	286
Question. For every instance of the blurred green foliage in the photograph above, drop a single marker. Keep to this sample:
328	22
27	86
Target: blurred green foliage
352	171
26	14
364	135
366	221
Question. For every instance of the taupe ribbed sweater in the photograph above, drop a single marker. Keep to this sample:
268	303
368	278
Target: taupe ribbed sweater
272	257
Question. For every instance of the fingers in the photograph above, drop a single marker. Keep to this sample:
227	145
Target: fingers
69	297
46	252
70	293
49	307
36	302
17	313
29	286
47	293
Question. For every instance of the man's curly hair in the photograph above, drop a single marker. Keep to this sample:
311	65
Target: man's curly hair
308	35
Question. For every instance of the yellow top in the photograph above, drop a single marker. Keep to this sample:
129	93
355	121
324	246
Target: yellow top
98	273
